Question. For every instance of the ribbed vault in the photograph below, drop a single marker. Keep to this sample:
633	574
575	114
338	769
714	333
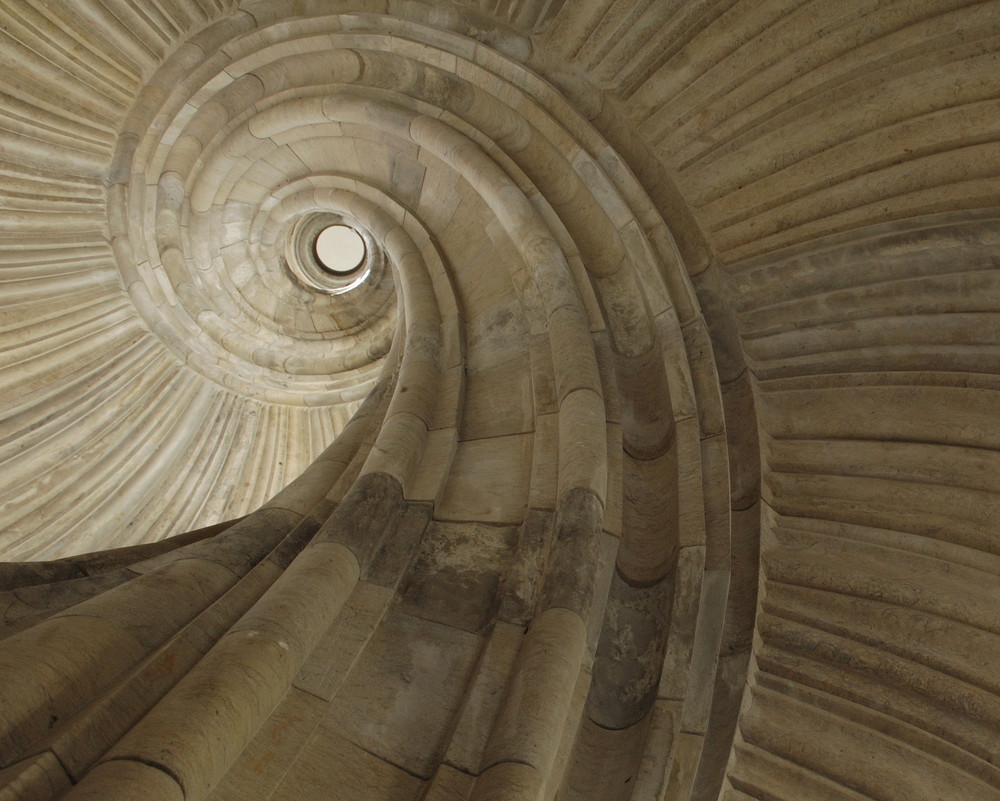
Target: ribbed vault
649	456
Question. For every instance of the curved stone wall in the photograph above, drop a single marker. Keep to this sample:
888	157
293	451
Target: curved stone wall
670	471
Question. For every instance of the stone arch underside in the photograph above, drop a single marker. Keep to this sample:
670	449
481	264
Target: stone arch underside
652	458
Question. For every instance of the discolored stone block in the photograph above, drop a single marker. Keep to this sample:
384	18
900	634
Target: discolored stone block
459	573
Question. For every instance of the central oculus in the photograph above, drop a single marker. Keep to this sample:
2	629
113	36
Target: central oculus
328	252
340	249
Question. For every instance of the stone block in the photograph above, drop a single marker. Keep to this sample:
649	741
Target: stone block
680	642
341	644
122	778
482	702
459	574
526	569
400	700
498	400
604	762
544	462
489	480
705	652
449	784
53	669
332	768
38	778
435	465
540	693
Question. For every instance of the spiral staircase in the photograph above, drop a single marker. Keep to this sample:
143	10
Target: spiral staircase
644	450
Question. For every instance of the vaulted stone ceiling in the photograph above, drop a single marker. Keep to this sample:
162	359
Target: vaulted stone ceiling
676	473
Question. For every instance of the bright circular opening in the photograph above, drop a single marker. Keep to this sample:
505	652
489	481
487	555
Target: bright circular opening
340	249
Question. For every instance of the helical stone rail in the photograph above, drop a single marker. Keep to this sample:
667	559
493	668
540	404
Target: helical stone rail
533	361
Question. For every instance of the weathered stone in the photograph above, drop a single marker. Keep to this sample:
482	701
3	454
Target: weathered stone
401	697
527	563
458	576
361	520
626	672
398	550
572	561
642	282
